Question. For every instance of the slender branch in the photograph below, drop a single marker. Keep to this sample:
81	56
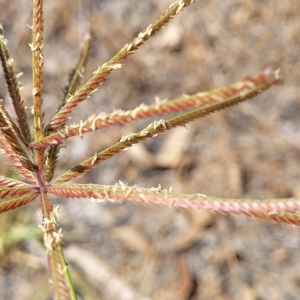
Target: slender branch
105	70
279	210
160	108
23	130
160	127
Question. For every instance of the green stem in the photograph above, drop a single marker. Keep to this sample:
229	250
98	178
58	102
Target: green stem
67	273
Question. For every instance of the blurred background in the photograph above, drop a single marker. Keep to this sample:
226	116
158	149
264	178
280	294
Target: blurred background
126	251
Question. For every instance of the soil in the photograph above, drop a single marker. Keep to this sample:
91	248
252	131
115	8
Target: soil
126	251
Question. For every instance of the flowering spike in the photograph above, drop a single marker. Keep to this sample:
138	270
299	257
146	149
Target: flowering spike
74	81
8	182
15	202
280	210
106	69
160	108
76	75
37	66
14	192
22	130
8	133
162	126
16	161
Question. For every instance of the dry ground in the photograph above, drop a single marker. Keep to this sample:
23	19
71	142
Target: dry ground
250	151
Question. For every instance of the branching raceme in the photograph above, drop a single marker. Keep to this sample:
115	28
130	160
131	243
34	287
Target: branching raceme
35	159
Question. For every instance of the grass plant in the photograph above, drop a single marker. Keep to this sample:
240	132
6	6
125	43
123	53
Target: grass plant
33	150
